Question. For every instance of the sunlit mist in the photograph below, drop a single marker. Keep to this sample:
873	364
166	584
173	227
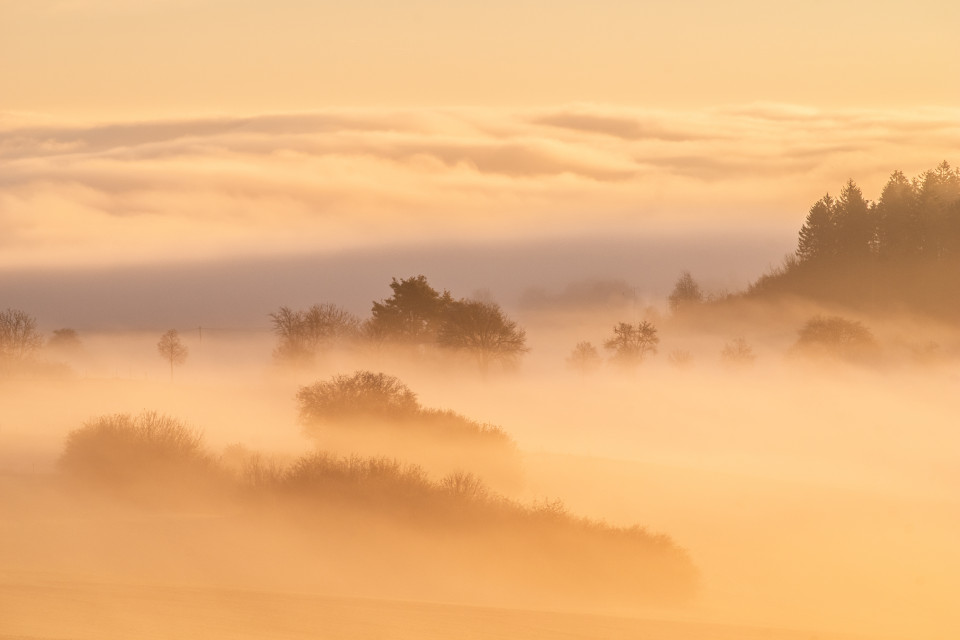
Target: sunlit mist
436	320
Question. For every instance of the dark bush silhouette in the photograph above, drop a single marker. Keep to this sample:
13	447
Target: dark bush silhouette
836	337
376	414
378	398
123	450
363	395
358	480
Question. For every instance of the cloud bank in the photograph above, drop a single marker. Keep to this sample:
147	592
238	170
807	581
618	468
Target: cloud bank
207	188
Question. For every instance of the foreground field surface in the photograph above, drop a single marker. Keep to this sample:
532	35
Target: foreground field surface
59	610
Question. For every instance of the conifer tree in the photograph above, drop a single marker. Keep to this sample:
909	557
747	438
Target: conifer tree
817	236
898	226
854	228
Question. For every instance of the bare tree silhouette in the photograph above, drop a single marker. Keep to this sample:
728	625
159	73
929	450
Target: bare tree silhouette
19	337
482	329
172	349
584	358
631	344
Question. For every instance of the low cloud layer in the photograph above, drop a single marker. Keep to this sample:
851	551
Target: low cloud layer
215	187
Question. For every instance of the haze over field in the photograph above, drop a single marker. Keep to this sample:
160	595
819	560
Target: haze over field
432	320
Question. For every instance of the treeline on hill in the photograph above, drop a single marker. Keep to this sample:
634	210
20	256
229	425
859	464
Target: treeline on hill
416	316
152	460
901	251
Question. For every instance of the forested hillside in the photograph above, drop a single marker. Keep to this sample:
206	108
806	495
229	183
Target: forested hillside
901	251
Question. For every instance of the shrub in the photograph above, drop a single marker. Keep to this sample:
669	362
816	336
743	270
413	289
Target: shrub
363	395
463	484
121	449
358	481
445	423
837	337
738	353
547	548
376	414
381	398
252	468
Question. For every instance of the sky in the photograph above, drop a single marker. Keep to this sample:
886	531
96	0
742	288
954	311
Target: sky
170	131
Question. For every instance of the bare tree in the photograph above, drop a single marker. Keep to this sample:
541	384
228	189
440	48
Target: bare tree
303	333
172	349
631	344
482	329
584	358
19	337
738	353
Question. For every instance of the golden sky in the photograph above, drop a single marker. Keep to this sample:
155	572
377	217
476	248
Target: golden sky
166	128
164	57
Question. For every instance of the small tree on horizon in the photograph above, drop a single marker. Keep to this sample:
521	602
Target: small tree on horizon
738	353
686	292
172	349
584	358
19	337
631	344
